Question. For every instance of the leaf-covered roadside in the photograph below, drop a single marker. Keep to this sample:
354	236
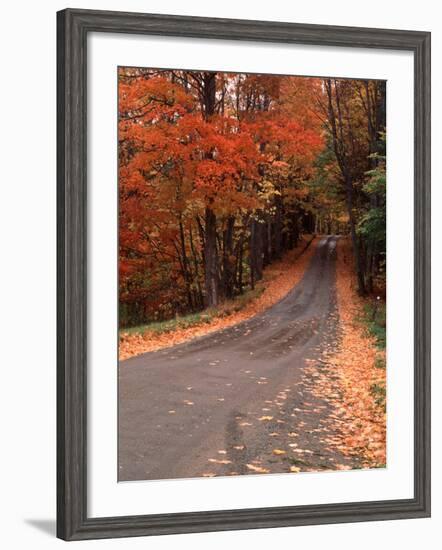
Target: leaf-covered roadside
353	379
279	278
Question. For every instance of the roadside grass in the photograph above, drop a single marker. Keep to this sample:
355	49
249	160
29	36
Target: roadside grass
195	319
374	319
379	394
379	362
160	327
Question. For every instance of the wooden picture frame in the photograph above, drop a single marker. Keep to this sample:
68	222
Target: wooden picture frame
73	27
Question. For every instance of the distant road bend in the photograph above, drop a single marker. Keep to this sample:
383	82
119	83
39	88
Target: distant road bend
219	404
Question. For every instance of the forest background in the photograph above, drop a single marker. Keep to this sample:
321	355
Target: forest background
221	174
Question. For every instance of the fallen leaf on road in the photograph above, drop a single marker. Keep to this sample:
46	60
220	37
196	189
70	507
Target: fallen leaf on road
302	451
278	452
257	469
262	418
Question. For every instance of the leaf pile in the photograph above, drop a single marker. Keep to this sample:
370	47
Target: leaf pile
352	375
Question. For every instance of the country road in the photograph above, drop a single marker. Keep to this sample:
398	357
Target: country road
234	401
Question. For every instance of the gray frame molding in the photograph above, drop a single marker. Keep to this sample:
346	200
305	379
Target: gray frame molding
72	29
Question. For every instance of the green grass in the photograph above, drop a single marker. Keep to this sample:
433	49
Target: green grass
160	327
297	461
374	319
193	319
380	363
379	394
240	302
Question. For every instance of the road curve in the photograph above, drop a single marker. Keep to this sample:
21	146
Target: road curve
219	404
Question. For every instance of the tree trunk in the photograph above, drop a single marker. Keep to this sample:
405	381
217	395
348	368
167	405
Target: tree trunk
354	238
211	260
185	268
256	263
267	241
228	278
278	228
200	300
240	265
208	100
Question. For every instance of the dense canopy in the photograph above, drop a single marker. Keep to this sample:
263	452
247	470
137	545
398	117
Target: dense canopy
220	174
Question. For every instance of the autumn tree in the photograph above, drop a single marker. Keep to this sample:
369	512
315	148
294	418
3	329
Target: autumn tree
354	116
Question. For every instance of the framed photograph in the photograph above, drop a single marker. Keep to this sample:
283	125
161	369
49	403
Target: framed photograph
243	274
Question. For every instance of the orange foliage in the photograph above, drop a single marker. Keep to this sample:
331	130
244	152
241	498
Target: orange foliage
175	163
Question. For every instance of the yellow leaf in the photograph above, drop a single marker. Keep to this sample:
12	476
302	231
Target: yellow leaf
257	469
219	461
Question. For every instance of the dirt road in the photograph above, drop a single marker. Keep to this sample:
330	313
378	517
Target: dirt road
234	402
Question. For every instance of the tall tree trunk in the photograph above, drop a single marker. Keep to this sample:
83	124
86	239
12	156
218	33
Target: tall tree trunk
256	245
342	156
208	100
267	241
185	267
211	260
354	238
200	300
240	264
278	225
228	278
